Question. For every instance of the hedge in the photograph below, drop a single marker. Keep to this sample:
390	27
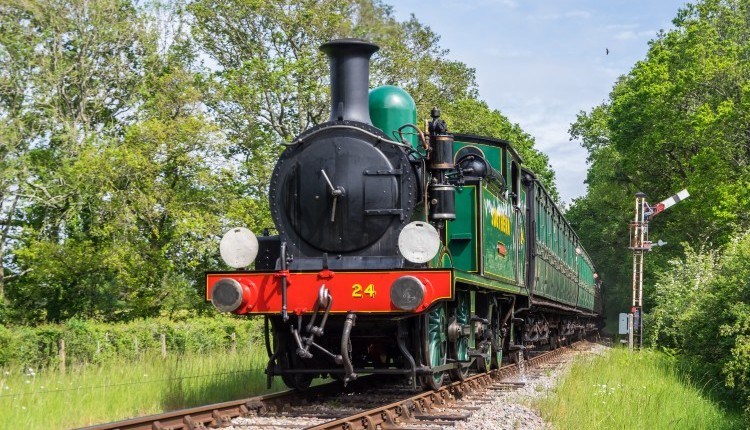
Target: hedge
95	342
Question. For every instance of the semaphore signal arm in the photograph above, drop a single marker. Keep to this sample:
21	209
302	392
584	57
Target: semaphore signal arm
652	211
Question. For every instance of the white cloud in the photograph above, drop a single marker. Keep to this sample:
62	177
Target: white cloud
540	63
620	26
554	16
625	35
578	14
476	4
567	158
630	34
507	52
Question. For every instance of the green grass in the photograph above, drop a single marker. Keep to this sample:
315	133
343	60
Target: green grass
623	390
88	395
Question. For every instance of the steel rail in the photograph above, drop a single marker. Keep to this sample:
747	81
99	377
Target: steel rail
218	414
408	410
388	416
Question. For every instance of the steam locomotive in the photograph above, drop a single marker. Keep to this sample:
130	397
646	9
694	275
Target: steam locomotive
402	250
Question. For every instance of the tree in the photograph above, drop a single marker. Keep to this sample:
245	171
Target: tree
702	313
125	156
69	74
270	82
127	186
679	119
17	125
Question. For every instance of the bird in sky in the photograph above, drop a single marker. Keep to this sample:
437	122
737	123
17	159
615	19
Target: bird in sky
606	50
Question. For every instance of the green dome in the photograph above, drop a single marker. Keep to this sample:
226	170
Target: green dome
390	108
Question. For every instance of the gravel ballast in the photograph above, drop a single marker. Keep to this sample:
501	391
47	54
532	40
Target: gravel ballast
494	409
508	410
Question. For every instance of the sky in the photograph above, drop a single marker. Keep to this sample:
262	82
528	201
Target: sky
542	62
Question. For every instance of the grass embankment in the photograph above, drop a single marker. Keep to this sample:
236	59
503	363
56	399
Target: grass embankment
93	394
623	390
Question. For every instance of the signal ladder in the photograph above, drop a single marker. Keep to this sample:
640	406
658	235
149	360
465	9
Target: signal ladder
640	244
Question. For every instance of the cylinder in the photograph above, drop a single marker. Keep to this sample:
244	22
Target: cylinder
442	202
349	61
441	157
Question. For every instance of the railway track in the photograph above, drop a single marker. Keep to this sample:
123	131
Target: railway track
368	403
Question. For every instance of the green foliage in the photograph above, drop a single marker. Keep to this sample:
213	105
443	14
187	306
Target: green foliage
703	312
94	342
125	157
271	81
678	297
679	119
123	190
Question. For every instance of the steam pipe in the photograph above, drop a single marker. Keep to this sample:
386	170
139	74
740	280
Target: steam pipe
345	344
284	282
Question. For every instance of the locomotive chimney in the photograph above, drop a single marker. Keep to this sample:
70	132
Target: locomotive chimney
350	78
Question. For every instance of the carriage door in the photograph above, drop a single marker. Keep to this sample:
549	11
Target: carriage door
515	180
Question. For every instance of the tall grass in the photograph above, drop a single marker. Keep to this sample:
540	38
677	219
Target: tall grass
624	390
92	394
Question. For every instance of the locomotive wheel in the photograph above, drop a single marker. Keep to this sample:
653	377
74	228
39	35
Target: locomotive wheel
435	345
485	360
459	350
288	359
297	381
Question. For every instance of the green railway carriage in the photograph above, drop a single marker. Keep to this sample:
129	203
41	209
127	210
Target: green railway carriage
510	236
510	240
564	272
487	240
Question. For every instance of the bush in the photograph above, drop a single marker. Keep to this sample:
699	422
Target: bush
703	312
95	342
678	294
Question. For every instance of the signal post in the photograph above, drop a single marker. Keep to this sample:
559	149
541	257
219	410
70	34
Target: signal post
640	245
